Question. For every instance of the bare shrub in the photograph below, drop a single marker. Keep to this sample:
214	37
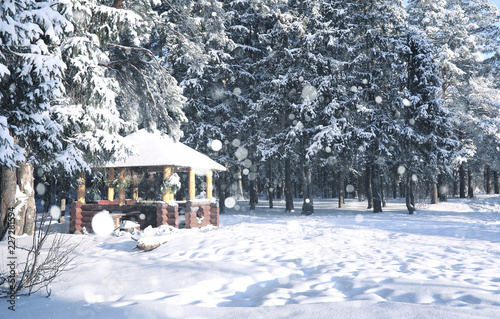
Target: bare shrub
39	266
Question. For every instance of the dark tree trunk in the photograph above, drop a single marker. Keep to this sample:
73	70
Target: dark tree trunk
382	190
455	183
461	173
434	193
368	188
7	197
395	182
253	194
270	186
487	179
221	181
239	183
377	198
495	182
470	185
410	197
402	189
288	186
361	192
308	204
341	189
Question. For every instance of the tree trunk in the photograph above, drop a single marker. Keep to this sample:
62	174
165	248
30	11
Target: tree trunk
308	204
221	181
410	197
7	198
461	177
375	183
240	183
487	179
395	186
253	195
270	185
27	212
341	189
495	182
382	190
368	189
361	193
470	186
434	193
288	186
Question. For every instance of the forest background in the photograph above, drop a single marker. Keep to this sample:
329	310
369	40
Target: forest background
301	99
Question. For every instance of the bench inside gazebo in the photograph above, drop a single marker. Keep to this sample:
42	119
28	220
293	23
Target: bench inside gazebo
153	153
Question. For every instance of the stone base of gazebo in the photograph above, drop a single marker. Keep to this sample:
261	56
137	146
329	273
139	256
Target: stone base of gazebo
197	213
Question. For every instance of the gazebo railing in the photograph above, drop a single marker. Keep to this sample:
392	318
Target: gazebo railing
197	213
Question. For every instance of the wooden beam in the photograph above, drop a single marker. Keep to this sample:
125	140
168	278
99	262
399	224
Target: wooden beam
192	186
209	185
111	177
80	193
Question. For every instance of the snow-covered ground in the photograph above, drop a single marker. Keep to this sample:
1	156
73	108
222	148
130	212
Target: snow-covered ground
443	262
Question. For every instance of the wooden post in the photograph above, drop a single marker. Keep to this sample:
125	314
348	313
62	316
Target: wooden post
80	193
209	184
168	196
122	192
192	181
111	177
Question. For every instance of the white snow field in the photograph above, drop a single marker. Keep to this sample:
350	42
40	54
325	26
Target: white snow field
443	262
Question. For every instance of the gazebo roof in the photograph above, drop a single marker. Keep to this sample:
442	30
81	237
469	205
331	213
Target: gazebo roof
157	150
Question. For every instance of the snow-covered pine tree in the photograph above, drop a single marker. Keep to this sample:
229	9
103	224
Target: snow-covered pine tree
282	114
31	90
373	32
192	40
339	136
460	31
426	141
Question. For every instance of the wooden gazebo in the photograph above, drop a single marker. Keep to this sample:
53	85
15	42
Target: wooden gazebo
153	152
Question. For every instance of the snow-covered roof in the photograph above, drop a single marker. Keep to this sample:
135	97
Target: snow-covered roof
154	149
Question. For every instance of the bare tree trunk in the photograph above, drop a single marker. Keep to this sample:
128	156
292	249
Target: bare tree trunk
470	185
495	182
377	199
361	192
369	194
461	173
221	181
288	186
341	189
270	186
410	197
7	197
240	183
382	190
307	205
434	193
395	186
253	195
26	180
487	179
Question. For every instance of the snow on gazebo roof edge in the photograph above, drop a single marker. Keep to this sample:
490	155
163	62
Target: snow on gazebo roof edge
153	149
